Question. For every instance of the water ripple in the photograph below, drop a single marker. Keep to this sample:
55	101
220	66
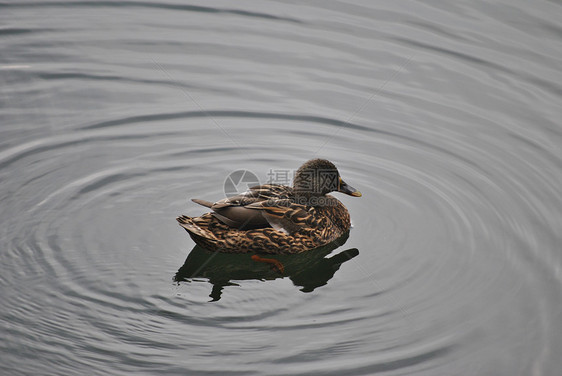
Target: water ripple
133	4
445	116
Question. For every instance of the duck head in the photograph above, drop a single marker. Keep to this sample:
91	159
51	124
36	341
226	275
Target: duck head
318	177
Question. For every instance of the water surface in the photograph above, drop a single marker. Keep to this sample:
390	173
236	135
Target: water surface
445	115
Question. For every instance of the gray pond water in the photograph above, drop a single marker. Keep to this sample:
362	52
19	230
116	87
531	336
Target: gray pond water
446	115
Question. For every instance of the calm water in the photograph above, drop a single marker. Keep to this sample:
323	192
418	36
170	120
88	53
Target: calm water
445	115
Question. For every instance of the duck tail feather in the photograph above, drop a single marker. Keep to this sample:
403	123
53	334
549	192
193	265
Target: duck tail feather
191	227
205	203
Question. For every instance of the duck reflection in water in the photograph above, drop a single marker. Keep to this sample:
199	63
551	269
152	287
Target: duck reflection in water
307	270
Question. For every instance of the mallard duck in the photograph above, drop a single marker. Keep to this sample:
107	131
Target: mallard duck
274	218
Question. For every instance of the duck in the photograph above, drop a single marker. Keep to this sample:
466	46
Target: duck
274	218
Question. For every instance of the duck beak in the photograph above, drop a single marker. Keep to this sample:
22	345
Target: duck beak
348	189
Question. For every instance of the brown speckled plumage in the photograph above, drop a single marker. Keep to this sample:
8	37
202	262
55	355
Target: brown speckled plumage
274	218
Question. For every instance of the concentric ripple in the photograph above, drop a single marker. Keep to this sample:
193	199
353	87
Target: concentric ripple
445	116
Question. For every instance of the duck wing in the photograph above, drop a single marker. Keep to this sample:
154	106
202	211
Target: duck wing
255	194
235	211
284	215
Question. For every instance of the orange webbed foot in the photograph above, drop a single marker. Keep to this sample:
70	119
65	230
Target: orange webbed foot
275	264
